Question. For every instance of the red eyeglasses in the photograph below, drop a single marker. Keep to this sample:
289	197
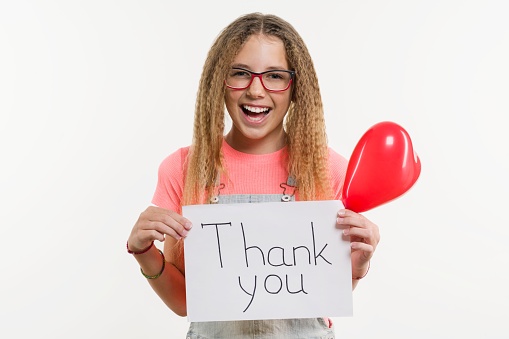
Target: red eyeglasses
278	80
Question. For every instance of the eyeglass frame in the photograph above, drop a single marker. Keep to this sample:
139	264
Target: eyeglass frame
259	75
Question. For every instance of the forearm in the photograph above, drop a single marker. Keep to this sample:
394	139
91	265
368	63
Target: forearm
170	285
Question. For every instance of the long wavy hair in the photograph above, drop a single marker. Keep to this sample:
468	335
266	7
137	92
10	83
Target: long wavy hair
304	123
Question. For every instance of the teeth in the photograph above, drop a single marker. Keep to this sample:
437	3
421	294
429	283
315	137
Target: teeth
256	109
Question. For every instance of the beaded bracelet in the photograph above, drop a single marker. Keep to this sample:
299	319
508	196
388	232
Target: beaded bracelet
160	272
141	252
365	274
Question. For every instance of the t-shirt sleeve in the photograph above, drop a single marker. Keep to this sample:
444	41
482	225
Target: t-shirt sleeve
170	181
337	169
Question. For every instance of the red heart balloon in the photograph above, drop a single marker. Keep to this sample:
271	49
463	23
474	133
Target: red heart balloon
382	167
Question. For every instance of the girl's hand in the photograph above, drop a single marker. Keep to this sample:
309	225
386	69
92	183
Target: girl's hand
364	237
154	224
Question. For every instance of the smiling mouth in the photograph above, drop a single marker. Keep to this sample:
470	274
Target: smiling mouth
255	113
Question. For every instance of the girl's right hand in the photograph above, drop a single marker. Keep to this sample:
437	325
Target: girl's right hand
154	224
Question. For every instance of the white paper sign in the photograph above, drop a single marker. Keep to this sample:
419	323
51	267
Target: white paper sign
266	261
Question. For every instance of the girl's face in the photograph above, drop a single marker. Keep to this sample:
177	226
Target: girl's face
257	114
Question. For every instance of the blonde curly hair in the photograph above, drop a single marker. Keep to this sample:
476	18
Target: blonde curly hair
304	124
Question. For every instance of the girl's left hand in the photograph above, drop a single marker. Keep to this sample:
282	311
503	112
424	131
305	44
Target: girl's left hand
364	237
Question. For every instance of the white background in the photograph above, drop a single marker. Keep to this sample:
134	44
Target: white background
94	94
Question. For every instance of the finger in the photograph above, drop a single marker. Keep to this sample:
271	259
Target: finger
347	217
169	227
141	239
179	218
166	222
353	222
344	213
168	217
155	235
361	246
363	233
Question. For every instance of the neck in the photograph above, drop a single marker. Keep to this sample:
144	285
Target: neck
253	146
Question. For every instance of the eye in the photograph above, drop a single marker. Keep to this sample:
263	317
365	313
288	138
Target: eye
239	73
275	76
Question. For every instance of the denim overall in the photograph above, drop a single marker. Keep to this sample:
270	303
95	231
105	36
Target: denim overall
308	328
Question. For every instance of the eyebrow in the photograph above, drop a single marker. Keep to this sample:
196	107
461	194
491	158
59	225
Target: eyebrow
248	68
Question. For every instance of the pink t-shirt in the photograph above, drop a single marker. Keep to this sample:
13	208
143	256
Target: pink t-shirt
247	174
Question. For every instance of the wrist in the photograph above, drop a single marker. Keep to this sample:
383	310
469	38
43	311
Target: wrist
136	251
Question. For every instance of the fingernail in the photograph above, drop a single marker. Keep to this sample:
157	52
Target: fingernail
339	220
346	231
341	212
188	225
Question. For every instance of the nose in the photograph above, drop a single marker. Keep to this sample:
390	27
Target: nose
256	88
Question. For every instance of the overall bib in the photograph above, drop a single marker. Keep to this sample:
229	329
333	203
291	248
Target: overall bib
306	328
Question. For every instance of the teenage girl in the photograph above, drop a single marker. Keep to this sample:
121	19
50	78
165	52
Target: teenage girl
260	70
